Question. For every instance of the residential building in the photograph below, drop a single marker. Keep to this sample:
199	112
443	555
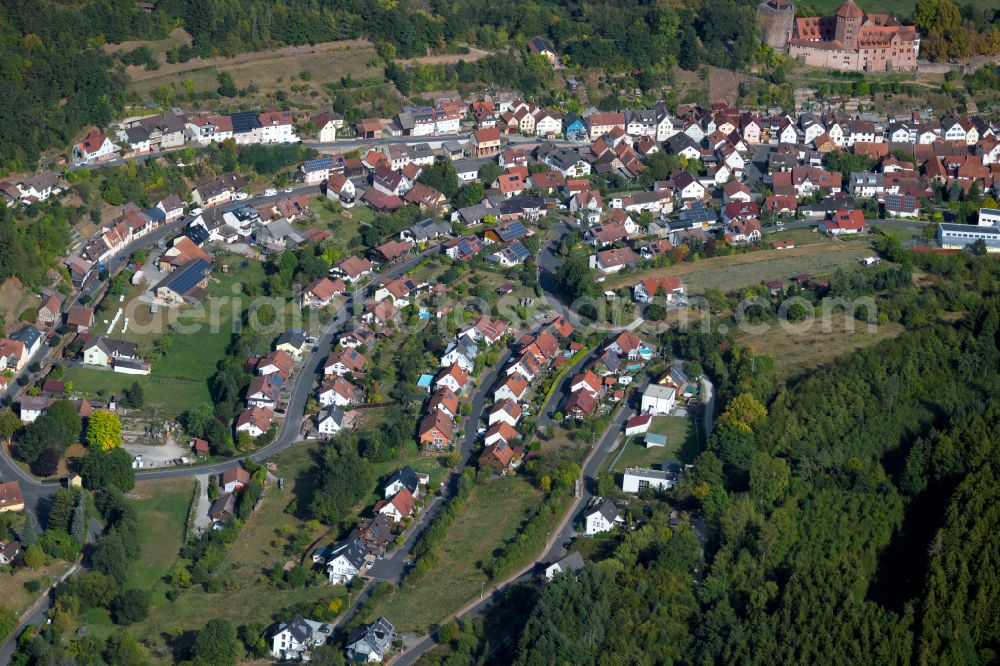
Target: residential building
343	561
399	507
572	563
11	498
235	478
370	642
402	478
435	431
497	457
637	479
294	640
330	420
658	400
602	516
671	288
103	351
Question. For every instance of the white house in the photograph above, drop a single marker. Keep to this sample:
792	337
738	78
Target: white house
330	420
570	563
638	425
31	407
637	479
95	147
514	389
337	391
601	517
343	561
462	352
293	640
255	421
658	400
505	411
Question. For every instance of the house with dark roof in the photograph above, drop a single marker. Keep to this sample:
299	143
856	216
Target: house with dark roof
403	478
572	563
219	190
184	285
295	639
223	508
377	533
104	351
602	516
343	561
370	642
538	45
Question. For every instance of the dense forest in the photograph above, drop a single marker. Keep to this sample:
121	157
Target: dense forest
852	516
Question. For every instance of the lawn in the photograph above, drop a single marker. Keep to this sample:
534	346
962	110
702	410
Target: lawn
345	225
490	517
741	270
682	444
163	509
169	396
179	380
296	466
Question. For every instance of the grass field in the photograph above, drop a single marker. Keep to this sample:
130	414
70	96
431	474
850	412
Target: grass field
795	353
163	509
270	71
12	591
741	270
169	396
802	237
490	516
159	47
179	380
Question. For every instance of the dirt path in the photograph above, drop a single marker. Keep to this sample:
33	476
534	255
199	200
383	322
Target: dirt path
139	73
448	58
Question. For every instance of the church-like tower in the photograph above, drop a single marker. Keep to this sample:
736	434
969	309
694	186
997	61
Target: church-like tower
849	20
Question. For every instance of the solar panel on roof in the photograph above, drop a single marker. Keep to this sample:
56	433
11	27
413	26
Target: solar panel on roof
512	231
517	251
244	121
319	164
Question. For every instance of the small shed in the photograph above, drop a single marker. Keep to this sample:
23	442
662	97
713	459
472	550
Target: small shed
655	439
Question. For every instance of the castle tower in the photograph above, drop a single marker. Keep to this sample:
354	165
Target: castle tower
849	20
775	19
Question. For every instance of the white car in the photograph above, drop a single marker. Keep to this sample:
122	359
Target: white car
195	212
270	192
288	190
240	196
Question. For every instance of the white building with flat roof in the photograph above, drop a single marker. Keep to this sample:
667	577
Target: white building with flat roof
658	399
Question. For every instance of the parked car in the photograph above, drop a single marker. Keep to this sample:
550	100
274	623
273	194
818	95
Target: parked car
240	196
270	192
195	212
288	190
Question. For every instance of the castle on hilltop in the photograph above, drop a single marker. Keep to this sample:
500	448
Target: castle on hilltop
851	40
